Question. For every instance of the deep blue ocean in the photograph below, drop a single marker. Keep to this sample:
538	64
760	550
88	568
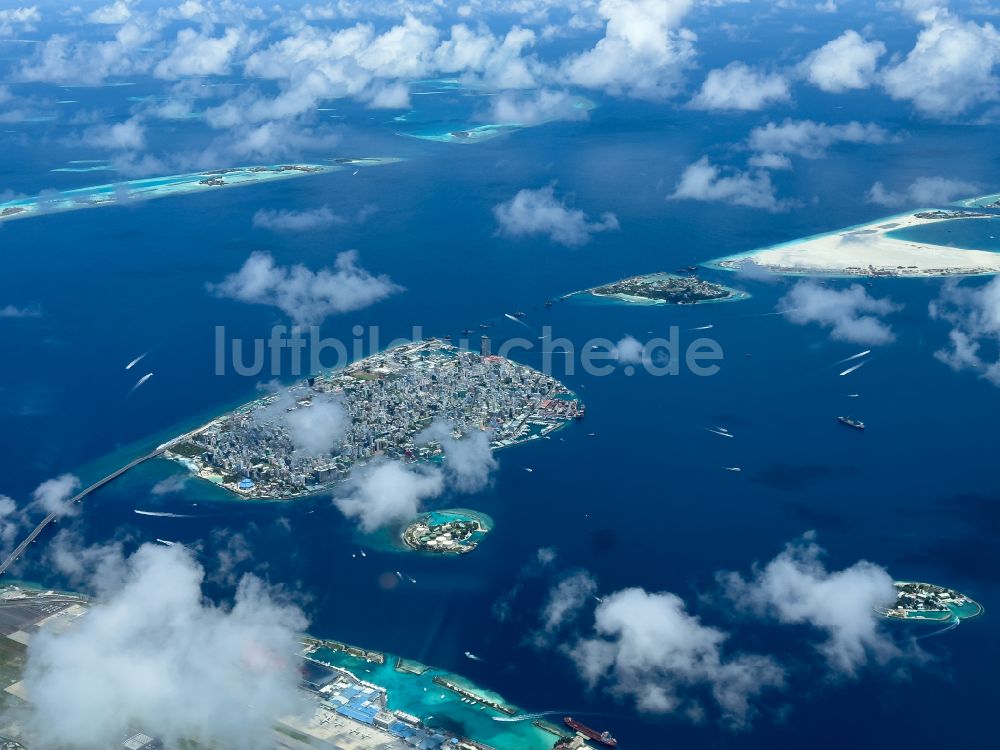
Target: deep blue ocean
642	502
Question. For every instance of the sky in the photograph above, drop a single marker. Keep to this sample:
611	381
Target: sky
251	78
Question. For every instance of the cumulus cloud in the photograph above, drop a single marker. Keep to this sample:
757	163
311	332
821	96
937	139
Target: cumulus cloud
129	135
740	87
10	522
810	139
468	459
539	211
950	68
844	64
629	350
387	492
974	314
851	314
796	588
923	191
566	598
197	54
153	653
307	296
642	53
645	647
316	429
114	13
52	495
535	108
18	20
290	220
703	181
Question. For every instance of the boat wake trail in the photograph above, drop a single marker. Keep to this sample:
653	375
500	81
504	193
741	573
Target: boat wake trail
532	717
942	631
849	370
859	355
161	514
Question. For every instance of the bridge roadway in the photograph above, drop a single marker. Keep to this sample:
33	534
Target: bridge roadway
19	549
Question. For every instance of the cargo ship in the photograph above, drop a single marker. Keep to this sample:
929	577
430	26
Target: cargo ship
857	424
604	738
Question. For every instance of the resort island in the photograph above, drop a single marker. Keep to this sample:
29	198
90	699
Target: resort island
148	188
384	402
449	532
665	289
926	601
873	249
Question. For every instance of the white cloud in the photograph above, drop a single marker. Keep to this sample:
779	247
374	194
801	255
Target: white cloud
153	653
540	212
316	429
307	296
12	311
810	139
66	60
629	351
647	648
468	459
851	314
129	135
114	13
10	522
796	588
566	598
923	192
52	495
18	20
845	63
739	87
974	313
535	108
289	220
703	181
170	485
198	54
387	492
950	68
643	52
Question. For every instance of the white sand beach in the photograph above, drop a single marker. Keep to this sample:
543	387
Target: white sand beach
868	250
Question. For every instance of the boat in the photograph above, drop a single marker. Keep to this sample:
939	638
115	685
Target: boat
857	424
604	738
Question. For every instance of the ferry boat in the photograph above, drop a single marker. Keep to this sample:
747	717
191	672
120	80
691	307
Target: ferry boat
604	738
857	424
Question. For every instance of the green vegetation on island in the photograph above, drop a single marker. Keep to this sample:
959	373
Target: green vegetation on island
666	288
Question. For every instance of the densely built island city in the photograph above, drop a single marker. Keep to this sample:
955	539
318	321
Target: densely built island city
389	399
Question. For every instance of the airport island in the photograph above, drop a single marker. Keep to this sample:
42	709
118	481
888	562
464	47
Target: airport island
926	601
664	289
386	401
447	532
351	697
874	249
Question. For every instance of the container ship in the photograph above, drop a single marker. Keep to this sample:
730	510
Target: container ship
604	738
857	424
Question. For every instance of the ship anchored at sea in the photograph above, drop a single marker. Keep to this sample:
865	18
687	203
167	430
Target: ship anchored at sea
857	424
603	738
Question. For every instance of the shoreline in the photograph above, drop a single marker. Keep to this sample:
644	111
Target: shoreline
870	250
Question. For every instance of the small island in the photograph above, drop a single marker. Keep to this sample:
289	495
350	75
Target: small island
448	532
665	289
926	601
